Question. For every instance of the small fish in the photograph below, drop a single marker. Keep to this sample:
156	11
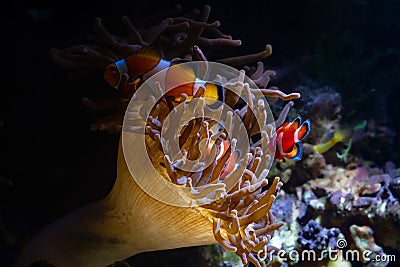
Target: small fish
337	137
222	149
182	79
230	164
139	66
289	139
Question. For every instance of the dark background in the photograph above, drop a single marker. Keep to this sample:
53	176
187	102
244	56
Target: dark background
56	163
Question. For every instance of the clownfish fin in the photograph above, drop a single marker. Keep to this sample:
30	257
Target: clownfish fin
150	52
230	164
292	153
142	62
290	126
183	73
179	61
294	125
297	151
285	124
179	80
137	81
302	131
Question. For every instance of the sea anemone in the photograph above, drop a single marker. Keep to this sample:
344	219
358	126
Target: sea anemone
183	208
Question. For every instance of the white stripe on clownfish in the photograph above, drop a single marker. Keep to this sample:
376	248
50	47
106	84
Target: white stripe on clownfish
221	151
279	143
122	69
197	83
163	64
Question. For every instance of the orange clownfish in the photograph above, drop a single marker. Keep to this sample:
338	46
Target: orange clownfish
230	164
289	139
182	80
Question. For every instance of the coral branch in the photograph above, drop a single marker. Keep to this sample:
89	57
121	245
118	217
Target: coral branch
242	60
279	94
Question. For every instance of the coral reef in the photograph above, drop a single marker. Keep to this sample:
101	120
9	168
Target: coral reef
315	237
364	242
360	192
337	187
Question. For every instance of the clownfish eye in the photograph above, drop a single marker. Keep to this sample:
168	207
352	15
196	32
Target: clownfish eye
113	68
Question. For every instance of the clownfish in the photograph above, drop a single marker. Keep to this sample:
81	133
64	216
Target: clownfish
230	164
289	139
182	80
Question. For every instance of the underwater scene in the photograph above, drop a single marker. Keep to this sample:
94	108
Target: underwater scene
202	133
